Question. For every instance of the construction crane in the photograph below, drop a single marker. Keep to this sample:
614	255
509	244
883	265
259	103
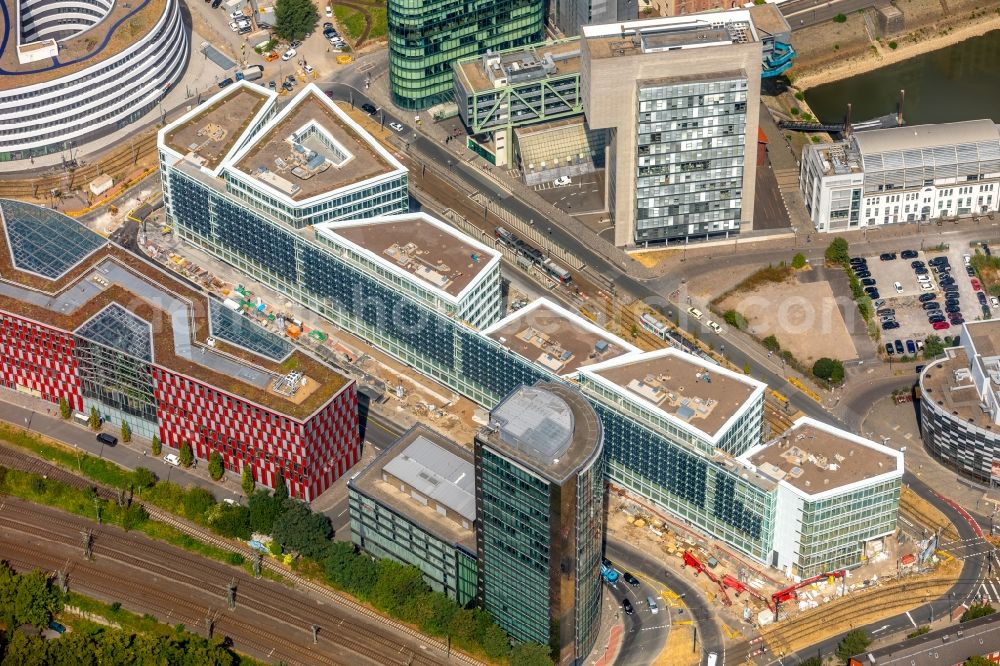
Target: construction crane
740	587
691	561
791	592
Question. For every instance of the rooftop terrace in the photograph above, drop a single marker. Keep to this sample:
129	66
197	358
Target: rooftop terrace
816	458
122	27
110	281
556	338
436	468
211	133
520	65
421	247
312	148
681	386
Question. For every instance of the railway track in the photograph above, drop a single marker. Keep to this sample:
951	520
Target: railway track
194	572
912	512
167	565
827	620
16	460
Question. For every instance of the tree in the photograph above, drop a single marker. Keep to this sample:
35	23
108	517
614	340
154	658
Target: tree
735	319
95	419
215	467
186	454
294	19
36	600
126	432
976	660
396	584
155	446
854	642
247	481
799	260
280	487
933	347
829	369
264	511
977	610
301	530
495	641
837	252
230	521
771	343
530	654
339	557
197	502
275	548
64	409
143	478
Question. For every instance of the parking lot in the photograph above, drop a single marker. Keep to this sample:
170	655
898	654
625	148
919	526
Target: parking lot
910	304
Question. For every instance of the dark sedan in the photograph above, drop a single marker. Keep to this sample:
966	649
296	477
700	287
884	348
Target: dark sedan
630	579
908	254
933	305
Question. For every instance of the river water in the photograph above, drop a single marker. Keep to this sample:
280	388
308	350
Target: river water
960	82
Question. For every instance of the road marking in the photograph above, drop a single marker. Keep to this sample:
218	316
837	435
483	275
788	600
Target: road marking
911	620
342	513
996	596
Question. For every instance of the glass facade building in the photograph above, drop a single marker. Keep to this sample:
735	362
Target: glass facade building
427	36
689	158
540	516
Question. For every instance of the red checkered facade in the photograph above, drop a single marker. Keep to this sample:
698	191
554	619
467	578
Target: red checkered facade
311	455
39	360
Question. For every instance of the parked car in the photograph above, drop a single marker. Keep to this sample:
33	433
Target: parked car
106	439
396	126
872	292
926	297
976	285
951	301
917	264
225	82
908	254
941	326
172	459
952	309
237	14
970	271
244	30
935	317
296	44
886	312
861	275
562	181
926	286
937	261
898	286
715	327
899	346
288	55
869	282
994	301
932	305
887	256
982	298
920	270
957	320
889	349
946	281
369	108
878	303
911	347
889	325
329	11
695	312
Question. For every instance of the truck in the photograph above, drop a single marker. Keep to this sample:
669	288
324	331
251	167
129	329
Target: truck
609	574
251	73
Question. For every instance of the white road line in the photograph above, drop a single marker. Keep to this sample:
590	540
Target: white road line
911	620
996	595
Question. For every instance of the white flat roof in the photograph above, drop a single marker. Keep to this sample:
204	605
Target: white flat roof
418	248
697	396
560	340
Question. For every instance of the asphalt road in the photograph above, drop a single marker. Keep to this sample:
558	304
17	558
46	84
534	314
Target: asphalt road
648	568
645	632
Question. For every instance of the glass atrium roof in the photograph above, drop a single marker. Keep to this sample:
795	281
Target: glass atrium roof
44	241
236	329
116	327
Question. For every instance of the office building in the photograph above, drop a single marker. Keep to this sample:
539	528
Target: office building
837	496
569	16
960	403
540	517
416	504
84	320
75	71
427	36
680	98
904	174
674	424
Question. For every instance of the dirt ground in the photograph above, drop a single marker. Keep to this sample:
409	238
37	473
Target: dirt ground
803	317
677	651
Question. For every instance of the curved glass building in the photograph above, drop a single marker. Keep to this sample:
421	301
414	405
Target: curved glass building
540	512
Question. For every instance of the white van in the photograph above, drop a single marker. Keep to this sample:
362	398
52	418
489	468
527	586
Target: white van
172	459
712	658
653	608
81	418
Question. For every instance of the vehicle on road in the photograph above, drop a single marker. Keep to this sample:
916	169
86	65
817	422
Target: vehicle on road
369	108
653	608
288	55
627	607
172	459
396	126
630	579
712	659
106	439
695	312
714	326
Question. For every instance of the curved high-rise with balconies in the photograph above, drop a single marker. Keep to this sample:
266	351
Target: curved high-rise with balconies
72	71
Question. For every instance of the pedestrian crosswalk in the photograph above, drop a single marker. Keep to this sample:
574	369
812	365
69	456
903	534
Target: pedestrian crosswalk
989	592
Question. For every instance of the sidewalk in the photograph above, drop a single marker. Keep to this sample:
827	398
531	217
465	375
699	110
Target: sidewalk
42	417
609	639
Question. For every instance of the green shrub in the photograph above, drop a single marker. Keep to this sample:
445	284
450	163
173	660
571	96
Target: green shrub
735	319
799	261
186	454
64	408
771	343
829	369
215	466
977	610
893	45
155	446
801	96
795	111
840	18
